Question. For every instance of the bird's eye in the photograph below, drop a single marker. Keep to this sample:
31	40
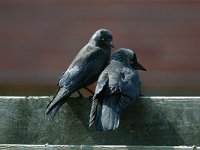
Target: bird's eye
102	39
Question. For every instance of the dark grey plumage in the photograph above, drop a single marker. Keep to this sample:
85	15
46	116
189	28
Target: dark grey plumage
118	86
84	69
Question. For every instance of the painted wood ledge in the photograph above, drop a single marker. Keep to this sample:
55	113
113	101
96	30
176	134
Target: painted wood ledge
94	147
158	121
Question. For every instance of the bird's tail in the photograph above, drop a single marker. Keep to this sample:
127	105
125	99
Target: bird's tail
93	112
109	114
58	100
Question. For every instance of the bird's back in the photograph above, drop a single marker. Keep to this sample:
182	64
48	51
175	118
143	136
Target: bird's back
119	90
86	66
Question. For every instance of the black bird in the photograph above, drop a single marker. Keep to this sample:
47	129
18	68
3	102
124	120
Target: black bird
118	86
84	69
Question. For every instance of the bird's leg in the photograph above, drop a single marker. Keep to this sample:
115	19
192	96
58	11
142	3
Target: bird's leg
80	94
90	97
89	90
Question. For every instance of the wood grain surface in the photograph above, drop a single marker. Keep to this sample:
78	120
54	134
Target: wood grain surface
158	121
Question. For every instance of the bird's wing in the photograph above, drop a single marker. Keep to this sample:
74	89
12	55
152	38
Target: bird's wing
130	84
103	79
106	93
108	116
85	65
109	113
69	83
124	81
78	75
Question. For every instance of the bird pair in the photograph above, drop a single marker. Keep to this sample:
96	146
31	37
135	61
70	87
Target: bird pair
118	83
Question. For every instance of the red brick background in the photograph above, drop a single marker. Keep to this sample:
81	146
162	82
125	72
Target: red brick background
39	38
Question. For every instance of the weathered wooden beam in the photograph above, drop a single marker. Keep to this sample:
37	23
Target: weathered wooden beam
160	121
93	147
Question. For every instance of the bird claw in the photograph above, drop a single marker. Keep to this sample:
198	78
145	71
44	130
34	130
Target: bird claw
90	91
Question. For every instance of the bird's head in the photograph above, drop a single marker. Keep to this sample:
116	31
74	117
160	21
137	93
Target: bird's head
102	38
129	57
135	64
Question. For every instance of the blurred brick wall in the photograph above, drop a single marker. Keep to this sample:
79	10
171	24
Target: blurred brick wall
39	38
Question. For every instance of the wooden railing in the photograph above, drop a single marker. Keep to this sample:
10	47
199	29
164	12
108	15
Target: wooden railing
150	123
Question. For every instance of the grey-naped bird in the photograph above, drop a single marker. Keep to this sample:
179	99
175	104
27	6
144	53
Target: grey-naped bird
84	69
118	87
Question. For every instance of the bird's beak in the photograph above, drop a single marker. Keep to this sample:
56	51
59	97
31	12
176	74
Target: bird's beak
110	43
138	66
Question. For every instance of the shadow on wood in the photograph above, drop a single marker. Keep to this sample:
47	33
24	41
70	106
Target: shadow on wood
143	123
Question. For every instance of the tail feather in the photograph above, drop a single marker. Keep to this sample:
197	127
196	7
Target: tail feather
93	112
109	116
58	100
51	114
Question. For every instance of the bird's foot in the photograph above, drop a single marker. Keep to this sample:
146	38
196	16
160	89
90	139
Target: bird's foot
90	91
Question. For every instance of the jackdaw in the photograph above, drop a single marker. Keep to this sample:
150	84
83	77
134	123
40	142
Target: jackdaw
118	86
84	69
